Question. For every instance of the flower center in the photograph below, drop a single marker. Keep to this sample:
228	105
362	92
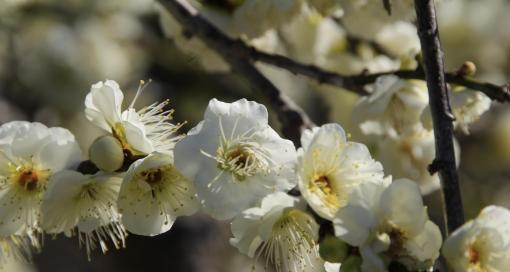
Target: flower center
292	241
29	178
324	185
242	159
397	241
152	176
473	255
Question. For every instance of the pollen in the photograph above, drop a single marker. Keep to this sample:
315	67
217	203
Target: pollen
29	178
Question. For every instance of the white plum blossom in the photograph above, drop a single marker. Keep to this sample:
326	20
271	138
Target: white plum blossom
280	231
330	166
408	156
399	39
388	222
30	154
482	244
467	107
153	194
394	107
235	158
139	132
86	202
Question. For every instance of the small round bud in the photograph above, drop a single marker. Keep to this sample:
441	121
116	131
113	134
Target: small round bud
106	153
468	69
333	250
351	264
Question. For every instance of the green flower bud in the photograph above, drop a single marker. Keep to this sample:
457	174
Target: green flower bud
106	153
351	264
332	249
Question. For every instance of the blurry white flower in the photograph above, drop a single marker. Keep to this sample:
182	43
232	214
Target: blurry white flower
467	107
139	132
235	158
87	202
365	18
389	223
153	194
281	232
399	39
482	244
409	155
329	167
394	107
30	153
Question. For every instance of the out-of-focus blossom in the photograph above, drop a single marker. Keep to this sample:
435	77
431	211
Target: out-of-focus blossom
329	167
235	158
394	107
482	244
388	223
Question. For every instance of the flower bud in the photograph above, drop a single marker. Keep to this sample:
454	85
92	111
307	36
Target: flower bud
332	249
351	264
106	153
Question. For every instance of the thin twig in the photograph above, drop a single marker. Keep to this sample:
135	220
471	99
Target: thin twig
237	49
442	118
234	52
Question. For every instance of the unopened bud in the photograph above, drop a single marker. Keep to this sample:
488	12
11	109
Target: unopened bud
106	153
351	264
333	250
468	68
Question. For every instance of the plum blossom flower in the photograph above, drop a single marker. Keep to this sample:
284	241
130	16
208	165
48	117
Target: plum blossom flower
394	107
153	194
87	202
280	231
139	132
467	107
482	244
388	223
30	154
235	158
329	167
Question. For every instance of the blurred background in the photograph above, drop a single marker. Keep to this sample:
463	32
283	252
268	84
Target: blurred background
51	52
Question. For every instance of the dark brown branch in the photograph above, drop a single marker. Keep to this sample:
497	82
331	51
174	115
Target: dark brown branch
442	117
236	54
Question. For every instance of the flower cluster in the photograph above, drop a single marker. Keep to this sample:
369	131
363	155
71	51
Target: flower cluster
140	176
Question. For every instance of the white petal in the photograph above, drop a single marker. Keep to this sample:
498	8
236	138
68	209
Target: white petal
401	203
425	246
136	138
103	104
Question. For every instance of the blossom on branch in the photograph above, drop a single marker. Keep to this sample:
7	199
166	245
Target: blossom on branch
482	244
329	167
388	223
280	231
235	158
139	132
87	202
30	154
153	194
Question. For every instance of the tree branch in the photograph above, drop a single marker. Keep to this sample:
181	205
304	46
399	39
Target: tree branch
235	53
237	49
442	117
